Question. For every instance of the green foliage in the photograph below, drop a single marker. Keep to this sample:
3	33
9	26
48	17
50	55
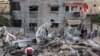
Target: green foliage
96	18
4	21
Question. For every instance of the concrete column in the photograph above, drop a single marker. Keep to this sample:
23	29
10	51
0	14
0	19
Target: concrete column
61	11
70	8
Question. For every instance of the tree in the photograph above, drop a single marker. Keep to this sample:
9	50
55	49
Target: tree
4	21
96	18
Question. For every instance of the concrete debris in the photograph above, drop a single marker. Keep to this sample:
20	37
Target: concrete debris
62	47
55	45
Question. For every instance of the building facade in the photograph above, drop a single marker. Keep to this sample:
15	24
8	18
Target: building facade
93	6
5	8
33	13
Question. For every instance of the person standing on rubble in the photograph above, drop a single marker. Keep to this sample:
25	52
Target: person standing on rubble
29	50
90	35
85	32
82	33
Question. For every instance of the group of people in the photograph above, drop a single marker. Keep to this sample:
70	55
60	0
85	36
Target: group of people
27	52
84	33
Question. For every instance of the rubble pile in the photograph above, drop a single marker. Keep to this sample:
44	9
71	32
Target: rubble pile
53	44
62	47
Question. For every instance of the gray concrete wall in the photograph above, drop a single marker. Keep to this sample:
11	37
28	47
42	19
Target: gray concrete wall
44	13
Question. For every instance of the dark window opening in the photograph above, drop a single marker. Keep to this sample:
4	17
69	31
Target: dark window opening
80	8
33	8
32	27
55	25
74	25
94	5
54	8
17	23
73	8
52	20
16	6
67	8
32	24
76	14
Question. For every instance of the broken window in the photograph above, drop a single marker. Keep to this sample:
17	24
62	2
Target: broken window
55	8
16	23
32	27
32	24
67	8
74	8
16	6
33	8
55	25
74	25
33	11
52	20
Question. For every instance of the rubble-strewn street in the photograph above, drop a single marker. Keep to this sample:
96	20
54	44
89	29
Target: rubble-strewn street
51	45
49	28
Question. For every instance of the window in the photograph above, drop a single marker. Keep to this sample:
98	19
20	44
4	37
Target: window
52	20
33	8
80	8
17	23
55	8
74	25
32	27
76	14
67	8
94	5
16	6
33	11
32	24
74	8
55	25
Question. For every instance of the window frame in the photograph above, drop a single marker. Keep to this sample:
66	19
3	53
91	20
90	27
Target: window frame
67	9
54	8
16	6
35	8
16	23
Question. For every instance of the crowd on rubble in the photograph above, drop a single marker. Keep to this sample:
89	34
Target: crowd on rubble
84	34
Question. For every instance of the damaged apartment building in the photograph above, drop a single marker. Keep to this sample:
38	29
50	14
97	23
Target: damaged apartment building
33	13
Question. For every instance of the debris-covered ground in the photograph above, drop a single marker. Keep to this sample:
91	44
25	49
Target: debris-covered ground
63	47
53	44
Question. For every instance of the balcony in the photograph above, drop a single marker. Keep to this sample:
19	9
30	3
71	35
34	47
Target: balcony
73	15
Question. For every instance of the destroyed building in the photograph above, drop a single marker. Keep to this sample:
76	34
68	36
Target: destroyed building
37	13
33	13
